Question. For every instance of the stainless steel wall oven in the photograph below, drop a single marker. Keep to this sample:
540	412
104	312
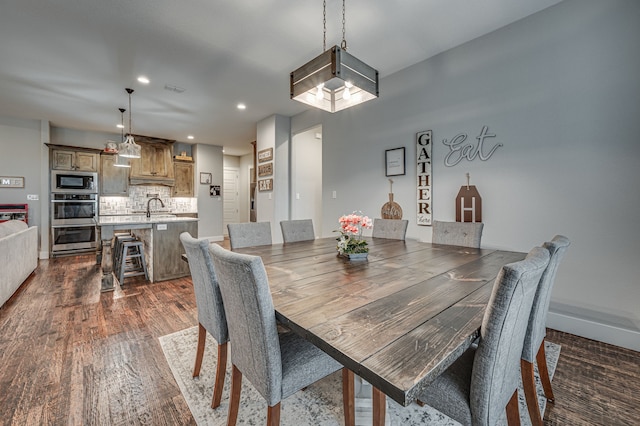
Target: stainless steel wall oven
74	210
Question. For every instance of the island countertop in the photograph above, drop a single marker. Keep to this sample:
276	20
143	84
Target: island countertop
141	219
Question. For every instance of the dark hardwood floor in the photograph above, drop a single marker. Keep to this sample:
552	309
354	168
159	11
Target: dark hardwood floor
72	355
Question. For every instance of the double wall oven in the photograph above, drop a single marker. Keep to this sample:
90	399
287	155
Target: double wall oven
74	208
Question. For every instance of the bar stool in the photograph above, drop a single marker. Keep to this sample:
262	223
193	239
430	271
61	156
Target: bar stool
132	261
118	240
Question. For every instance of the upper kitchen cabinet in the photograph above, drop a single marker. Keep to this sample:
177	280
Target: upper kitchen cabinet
155	165
71	159
114	181
184	179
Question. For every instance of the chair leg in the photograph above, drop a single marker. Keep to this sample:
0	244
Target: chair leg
530	394
273	415
379	407
348	397
220	372
513	414
202	338
541	359
234	397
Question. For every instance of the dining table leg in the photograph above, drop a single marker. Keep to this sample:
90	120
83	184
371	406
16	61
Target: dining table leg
379	407
348	397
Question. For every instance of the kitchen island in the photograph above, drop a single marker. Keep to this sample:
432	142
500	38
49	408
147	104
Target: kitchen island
162	246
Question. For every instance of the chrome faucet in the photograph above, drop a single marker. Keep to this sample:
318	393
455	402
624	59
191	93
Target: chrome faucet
149	202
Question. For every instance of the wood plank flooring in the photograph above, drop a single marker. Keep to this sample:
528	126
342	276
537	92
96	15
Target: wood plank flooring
72	355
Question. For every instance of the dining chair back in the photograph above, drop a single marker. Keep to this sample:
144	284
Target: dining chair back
465	234
478	386
211	315
277	365
533	349
249	234
394	229
297	230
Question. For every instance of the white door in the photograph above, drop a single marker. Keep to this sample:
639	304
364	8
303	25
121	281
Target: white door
230	197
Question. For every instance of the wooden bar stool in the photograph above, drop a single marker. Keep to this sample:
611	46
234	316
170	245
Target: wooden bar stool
118	240
132	261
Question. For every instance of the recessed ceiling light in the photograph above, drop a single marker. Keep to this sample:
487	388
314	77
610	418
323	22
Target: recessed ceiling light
144	80
242	106
190	137
120	126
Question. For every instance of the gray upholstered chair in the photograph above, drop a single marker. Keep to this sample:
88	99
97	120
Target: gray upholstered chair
478	386
277	365
466	234
297	230
394	229
533	349
249	234
211	316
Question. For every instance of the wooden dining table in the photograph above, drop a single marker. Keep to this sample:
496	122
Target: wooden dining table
397	319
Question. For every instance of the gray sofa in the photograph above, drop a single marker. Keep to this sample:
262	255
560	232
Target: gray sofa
18	256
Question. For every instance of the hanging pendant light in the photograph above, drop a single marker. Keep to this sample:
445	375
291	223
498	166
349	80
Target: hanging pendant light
335	80
129	148
120	160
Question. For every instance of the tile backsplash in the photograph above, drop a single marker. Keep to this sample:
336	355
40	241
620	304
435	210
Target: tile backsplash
138	197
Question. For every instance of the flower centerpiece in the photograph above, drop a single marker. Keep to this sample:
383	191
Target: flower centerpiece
350	242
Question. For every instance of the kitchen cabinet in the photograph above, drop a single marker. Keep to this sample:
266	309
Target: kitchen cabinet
69	159
155	165
114	181
184	179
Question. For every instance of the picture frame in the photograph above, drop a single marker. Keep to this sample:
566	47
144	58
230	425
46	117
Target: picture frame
265	169
205	178
265	155
394	162
265	185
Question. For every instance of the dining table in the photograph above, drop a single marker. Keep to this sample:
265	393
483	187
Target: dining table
397	319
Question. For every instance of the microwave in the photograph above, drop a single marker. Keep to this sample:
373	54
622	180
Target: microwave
74	182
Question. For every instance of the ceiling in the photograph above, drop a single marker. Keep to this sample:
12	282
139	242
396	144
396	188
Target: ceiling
69	61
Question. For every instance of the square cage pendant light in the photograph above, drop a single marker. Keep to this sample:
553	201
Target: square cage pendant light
333	81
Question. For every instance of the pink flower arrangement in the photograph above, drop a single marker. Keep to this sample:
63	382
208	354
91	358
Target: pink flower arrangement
350	240
353	224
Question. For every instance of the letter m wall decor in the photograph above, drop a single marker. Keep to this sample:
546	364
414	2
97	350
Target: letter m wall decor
423	151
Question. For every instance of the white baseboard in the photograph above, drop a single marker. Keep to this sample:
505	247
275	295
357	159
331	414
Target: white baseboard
590	329
43	255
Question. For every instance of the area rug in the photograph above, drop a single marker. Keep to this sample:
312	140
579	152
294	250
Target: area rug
319	405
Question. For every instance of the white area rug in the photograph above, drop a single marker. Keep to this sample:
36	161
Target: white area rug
319	405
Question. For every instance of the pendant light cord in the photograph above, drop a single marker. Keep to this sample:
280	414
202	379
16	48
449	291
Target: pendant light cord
324	26
344	38
130	130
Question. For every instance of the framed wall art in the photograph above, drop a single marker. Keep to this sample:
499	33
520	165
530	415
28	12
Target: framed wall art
394	162
205	178
265	155
265	169
265	185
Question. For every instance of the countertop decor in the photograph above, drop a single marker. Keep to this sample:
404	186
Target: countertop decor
350	241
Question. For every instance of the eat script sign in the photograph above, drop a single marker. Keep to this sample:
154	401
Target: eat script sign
459	148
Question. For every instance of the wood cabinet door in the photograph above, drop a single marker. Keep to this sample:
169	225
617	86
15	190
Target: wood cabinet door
184	179
114	181
155	161
62	159
86	161
74	160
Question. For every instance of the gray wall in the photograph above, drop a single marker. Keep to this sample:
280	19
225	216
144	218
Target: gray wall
560	89
21	151
209	159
